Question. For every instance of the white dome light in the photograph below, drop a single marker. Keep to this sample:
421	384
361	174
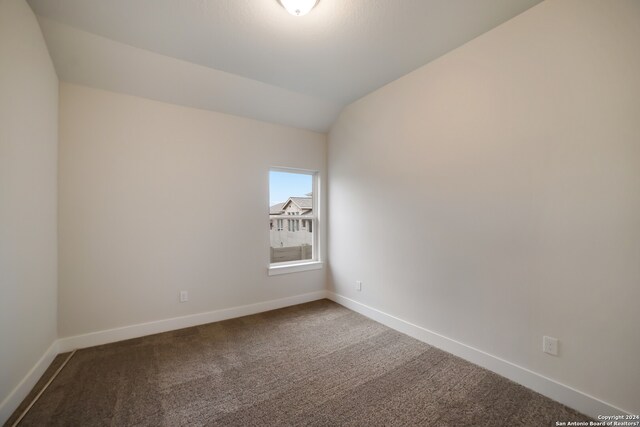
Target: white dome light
298	7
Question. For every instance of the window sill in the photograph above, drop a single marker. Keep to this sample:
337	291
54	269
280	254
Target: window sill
294	268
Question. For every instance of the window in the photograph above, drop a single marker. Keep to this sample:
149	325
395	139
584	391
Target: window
293	195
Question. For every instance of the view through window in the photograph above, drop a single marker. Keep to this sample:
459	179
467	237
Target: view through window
292	219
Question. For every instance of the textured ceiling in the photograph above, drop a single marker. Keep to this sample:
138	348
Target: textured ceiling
336	54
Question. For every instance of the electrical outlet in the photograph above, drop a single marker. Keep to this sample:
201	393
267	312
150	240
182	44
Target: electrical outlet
358	285
550	345
184	296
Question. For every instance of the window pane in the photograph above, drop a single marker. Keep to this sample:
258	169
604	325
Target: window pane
290	194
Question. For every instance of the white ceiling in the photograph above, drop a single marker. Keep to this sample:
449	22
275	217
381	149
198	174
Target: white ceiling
250	57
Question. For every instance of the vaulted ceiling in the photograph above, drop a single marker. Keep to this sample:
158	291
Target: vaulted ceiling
250	57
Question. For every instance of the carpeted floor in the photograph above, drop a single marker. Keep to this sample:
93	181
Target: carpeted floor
312	364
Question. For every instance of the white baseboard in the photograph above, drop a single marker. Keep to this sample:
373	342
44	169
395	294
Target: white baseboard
17	395
62	345
564	394
149	328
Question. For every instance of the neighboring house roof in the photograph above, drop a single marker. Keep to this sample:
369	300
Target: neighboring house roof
302	202
276	209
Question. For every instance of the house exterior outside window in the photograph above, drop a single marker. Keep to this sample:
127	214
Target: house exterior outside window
294	243
281	235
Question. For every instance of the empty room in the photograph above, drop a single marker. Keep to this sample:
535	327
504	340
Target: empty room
319	212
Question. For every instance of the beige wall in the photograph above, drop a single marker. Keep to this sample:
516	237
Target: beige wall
28	162
510	172
157	198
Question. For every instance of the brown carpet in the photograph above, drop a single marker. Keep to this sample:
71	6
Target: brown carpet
312	364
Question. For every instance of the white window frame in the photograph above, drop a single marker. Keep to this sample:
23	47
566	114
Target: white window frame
315	263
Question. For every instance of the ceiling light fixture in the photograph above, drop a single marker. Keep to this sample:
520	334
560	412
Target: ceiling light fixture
298	7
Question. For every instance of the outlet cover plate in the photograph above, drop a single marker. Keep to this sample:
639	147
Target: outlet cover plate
184	296
550	345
